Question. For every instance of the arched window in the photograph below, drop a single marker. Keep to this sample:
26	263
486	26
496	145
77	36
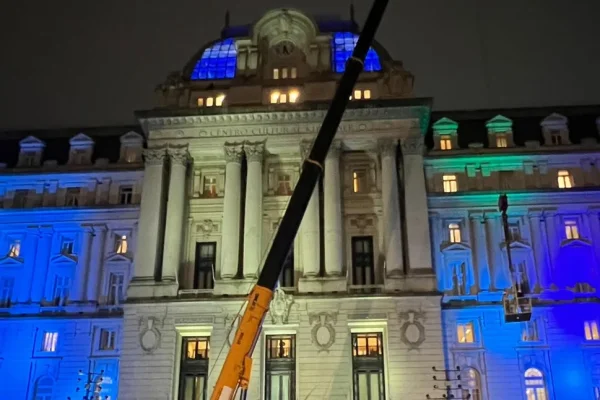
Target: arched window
535	387
43	388
471	384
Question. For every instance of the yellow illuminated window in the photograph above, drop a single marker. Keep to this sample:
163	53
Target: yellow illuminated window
197	348
501	141
450	185
200	102
464	332
275	97
591	330
571	229
275	73
454	233
359	181
367	94
15	248
565	180
293	73
210	101
445	142
219	100
284	73
283	98
358	94
121	244
294	94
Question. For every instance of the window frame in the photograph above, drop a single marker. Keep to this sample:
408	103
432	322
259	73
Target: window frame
463	325
532	382
354	255
565	179
450	182
455	232
591	330
281	365
368	364
445	142
195	367
208	278
571	229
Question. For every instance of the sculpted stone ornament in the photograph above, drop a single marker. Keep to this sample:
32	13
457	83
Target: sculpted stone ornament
281	304
305	147
412	331
155	156
254	151
179	155
149	335
233	152
413	145
206	227
323	332
387	147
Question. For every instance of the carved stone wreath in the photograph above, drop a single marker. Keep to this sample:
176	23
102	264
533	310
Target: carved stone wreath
150	336
279	310
412	331
323	332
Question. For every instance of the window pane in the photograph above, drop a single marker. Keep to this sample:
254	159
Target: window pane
375	384
363	386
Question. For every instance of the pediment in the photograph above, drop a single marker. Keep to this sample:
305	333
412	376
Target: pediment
11	261
518	245
556	121
132	137
32	143
455	247
499	124
118	258
445	126
64	259
81	140
575	243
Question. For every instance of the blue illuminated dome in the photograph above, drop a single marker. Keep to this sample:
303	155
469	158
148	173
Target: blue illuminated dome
342	45
217	62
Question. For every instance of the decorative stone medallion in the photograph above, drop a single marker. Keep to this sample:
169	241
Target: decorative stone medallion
279	310
149	335
412	331
323	332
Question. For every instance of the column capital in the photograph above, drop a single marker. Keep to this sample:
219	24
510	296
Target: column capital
387	147
254	151
155	156
179	155
335	149
305	147
413	145
233	152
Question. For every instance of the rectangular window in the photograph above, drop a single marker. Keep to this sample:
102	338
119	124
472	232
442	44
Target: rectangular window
14	249
72	197
454	230
284	184
62	287
571	229
7	286
294	95
108	338
66	247
120	244
20	199
464	332
275	73
209	186
286	279
206	253
280	367
501	141
361	94
126	195
450	184
194	368
514	230
445	142
363	271
556	138
529	331
49	342
591	330
565	180
210	101
116	289
359	181
219	100
293	73
367	366
284	73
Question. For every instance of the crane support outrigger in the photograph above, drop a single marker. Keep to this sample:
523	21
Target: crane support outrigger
235	372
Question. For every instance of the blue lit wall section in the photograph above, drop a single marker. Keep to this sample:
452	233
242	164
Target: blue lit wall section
342	45
218	61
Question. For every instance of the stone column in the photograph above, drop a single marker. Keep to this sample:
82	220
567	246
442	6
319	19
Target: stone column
332	210
96	264
415	203
83	265
29	268
253	210
230	239
150	224
179	158
480	256
542	278
501	278
392	231
310	246
42	264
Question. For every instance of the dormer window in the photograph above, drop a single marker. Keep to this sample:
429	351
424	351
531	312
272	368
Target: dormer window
131	147
66	247
555	129
565	180
20	199
282	97
285	73
454	231
31	152
359	94
82	147
571	230
211	101
501	141
14	250
125	195
72	197
556	138
121	244
445	142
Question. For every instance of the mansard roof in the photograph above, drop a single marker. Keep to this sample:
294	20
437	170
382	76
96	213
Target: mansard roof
526	123
106	142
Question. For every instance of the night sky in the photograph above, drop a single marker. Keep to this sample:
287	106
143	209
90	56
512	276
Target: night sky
92	63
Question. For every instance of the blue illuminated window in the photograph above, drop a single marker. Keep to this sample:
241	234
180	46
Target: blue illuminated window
217	62
342	45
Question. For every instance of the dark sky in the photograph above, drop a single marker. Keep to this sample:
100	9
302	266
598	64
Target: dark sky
89	63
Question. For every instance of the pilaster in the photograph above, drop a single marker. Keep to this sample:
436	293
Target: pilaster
179	159
479	250
230	239
310	246
253	209
96	262
83	265
542	278
334	244
42	264
151	220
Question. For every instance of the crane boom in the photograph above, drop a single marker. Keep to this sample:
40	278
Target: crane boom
237	366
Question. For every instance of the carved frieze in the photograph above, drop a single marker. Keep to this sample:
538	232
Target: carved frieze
323	330
150	335
412	330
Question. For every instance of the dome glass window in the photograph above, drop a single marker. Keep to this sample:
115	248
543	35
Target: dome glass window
342	46
217	62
